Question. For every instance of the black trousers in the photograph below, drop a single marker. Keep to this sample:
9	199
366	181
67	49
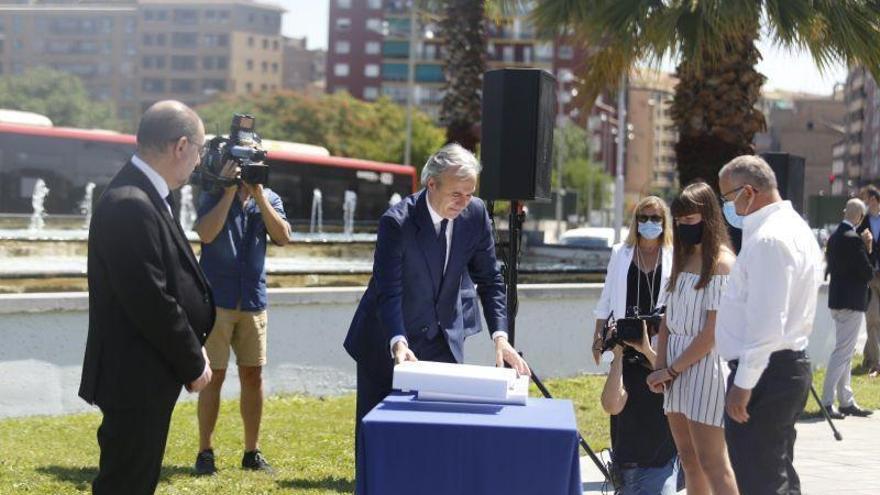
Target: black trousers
132	443
762	449
373	388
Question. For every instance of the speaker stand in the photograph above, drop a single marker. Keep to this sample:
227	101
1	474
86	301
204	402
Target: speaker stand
510	270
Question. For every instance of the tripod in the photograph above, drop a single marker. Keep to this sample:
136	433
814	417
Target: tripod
837	435
510	269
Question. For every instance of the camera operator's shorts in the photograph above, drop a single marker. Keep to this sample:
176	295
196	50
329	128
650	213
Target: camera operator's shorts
244	332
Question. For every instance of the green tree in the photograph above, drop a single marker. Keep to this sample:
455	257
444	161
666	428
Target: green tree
579	173
714	40
57	95
344	125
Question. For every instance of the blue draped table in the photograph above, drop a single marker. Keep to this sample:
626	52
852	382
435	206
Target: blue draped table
430	448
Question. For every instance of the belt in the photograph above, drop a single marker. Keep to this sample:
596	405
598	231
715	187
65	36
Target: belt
783	355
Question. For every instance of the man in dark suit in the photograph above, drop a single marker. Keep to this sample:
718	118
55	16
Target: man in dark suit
418	304
850	271
150	307
869	229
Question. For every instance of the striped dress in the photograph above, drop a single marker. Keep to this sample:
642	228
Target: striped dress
698	392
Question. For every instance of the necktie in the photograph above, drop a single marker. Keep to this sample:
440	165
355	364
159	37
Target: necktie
170	200
443	247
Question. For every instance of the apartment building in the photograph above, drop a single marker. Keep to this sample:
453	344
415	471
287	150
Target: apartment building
368	52
134	53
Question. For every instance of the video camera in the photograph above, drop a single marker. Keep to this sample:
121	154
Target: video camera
243	147
629	329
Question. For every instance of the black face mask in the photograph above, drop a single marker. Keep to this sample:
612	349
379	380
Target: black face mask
690	234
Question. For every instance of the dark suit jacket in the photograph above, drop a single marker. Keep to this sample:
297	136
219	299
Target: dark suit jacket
150	307
850	270
404	296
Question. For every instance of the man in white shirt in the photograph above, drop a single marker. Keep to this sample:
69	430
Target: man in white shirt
764	322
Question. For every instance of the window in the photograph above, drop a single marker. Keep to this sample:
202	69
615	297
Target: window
153	62
263	87
150	85
566	52
275	45
371	93
186	17
394	72
248	87
343	4
371	70
215	63
372	48
396	49
343	24
265	66
213	40
184	40
250	41
374	4
340	70
183	86
374	24
265	43
343	47
507	53
429	73
249	64
213	85
155	15
340	89
183	62
274	67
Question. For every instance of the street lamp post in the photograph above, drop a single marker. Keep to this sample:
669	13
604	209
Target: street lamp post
410	84
621	147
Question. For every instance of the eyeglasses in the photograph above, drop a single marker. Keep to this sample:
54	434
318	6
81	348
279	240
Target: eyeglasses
652	218
728	193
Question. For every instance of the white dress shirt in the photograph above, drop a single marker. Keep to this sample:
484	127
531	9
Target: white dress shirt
437	220
158	182
770	300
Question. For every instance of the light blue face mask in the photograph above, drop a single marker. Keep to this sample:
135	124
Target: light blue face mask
650	230
730	214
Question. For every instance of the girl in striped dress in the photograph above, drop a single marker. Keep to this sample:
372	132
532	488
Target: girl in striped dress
688	371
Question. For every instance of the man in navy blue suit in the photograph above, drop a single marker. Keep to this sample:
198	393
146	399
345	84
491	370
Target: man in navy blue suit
420	303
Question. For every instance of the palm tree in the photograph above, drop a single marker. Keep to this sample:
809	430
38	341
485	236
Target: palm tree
714	41
464	27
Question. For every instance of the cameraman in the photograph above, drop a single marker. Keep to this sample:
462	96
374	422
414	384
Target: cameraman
233	224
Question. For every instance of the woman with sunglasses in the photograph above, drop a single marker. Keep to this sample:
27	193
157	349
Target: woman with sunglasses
690	373
642	448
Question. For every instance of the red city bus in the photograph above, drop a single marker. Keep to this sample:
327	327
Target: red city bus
68	159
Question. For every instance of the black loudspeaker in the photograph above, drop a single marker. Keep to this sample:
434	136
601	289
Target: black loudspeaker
519	109
789	170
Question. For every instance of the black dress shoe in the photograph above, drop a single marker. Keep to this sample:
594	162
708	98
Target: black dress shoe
833	413
856	411
205	463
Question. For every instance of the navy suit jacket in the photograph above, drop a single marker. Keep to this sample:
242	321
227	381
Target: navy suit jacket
405	296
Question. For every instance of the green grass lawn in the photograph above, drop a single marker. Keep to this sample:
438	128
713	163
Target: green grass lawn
307	439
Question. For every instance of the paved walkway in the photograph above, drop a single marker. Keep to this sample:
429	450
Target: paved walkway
825	466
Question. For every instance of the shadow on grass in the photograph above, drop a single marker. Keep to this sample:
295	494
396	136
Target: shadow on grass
81	477
340	485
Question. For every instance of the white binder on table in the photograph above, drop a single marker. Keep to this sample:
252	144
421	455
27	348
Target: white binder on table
452	382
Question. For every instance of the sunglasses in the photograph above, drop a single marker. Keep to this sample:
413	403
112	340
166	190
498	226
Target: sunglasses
652	218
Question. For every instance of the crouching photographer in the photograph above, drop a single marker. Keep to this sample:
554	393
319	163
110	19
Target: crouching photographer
643	452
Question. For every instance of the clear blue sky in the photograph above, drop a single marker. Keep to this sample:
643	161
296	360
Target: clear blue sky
793	72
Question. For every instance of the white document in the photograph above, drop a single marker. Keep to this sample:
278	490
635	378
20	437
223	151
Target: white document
461	382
